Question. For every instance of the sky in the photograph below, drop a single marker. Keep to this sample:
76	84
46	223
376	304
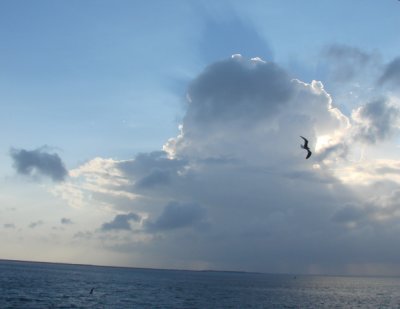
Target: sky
166	134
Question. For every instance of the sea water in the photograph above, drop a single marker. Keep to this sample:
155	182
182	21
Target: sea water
46	285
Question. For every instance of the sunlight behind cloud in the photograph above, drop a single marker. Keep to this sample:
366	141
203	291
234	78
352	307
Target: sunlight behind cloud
165	150
220	172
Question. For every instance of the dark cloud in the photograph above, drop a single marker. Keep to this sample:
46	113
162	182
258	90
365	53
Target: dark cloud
66	221
376	121
379	212
35	224
176	215
154	178
120	222
236	87
31	162
146	164
391	73
9	225
349	213
152	170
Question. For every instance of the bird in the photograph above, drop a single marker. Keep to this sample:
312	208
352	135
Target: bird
305	146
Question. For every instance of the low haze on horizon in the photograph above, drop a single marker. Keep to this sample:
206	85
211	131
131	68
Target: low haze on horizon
167	135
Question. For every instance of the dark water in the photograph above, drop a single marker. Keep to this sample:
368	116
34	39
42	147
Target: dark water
42	285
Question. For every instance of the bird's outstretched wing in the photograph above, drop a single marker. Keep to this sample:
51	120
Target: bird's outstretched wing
309	153
305	142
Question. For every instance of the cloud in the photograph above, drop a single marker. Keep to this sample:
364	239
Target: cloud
120	222
374	211
235	169
391	73
157	177
9	225
351	75
240	101
151	169
176	215
83	235
253	89
66	221
335	149
348	62
233	191
32	162
35	224
376	120
349	213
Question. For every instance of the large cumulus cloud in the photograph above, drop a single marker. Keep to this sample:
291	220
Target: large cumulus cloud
240	108
233	190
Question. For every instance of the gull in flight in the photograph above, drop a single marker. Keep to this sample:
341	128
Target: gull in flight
305	146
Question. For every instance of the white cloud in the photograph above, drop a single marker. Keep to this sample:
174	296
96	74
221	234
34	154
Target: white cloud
94	181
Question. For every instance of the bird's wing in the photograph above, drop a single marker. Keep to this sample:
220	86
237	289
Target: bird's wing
305	141
308	154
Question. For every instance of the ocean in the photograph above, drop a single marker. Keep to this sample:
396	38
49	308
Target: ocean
47	285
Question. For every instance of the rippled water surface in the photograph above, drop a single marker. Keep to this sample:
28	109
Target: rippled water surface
42	285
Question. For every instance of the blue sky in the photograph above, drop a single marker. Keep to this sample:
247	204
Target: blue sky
96	89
